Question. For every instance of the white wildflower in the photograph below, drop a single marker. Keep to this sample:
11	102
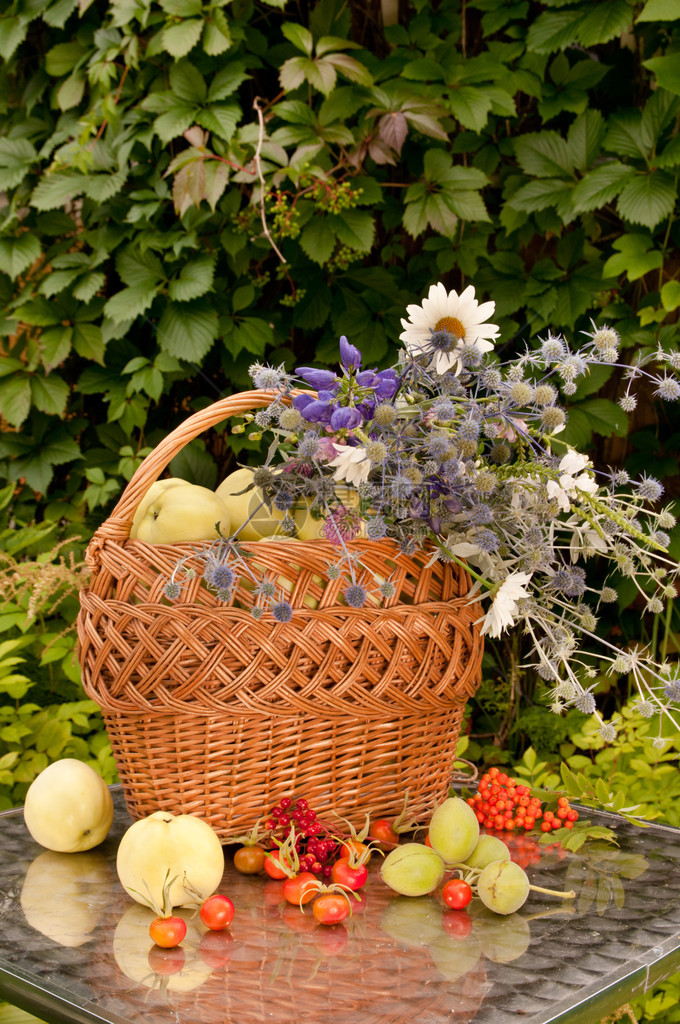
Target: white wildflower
351	463
569	483
503	610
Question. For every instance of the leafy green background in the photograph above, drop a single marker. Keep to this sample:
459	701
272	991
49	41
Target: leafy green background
531	149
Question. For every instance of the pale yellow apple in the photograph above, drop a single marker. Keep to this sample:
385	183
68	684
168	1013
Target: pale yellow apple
68	807
164	850
132	945
65	895
240	506
154	491
186	514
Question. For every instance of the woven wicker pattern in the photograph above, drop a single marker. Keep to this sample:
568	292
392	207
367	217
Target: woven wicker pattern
212	712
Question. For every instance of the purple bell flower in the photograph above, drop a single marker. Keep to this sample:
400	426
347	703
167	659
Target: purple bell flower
300	402
351	356
345	418
368	379
319	410
321	380
388	382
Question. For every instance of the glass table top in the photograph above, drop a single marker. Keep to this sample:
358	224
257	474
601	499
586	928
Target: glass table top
74	947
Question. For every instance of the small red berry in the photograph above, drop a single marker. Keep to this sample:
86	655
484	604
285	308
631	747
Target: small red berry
572	815
545	826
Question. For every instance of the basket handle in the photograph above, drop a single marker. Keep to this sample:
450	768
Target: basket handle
117	526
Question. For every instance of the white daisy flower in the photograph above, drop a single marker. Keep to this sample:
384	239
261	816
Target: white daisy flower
444	323
503	610
351	464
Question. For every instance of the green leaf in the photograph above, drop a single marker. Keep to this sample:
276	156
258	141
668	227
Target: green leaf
354	228
660	10
667	71
49	394
585	137
423	69
624	135
71	91
15	399
55	345
252	334
604	21
214	39
227	80
648	199
348	66
600	186
299	36
188	331
318	240
17	254
175	122
187	83
89	285
542	194
139	268
220	120
55	189
194	280
178	40
130	302
470	105
544	155
182	8
88	342
16	157
670	295
242	297
100	187
554	30
633	257
13	33
62	59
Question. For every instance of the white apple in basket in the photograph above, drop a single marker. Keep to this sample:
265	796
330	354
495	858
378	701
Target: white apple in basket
170	860
65	895
68	807
154	491
263	523
187	514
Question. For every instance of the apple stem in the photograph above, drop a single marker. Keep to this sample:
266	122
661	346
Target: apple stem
553	892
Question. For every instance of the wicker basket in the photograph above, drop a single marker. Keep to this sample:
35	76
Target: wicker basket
213	713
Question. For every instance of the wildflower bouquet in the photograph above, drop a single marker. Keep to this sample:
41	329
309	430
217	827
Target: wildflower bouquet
456	451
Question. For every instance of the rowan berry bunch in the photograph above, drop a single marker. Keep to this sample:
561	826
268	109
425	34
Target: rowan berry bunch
316	847
504	803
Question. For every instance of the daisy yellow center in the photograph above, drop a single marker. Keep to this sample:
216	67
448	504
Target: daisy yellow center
451	325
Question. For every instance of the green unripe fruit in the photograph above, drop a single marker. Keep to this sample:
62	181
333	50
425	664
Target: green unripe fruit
454	830
487	850
412	869
503	886
412	921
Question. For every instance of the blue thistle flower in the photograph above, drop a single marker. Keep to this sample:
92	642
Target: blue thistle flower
649	489
282	611
172	590
355	595
376	528
668	389
487	540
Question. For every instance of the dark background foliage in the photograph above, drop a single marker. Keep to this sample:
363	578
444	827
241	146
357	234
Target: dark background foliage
528	148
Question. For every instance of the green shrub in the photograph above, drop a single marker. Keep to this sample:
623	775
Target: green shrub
528	148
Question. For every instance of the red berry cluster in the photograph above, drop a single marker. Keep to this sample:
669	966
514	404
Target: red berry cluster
315	846
504	803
